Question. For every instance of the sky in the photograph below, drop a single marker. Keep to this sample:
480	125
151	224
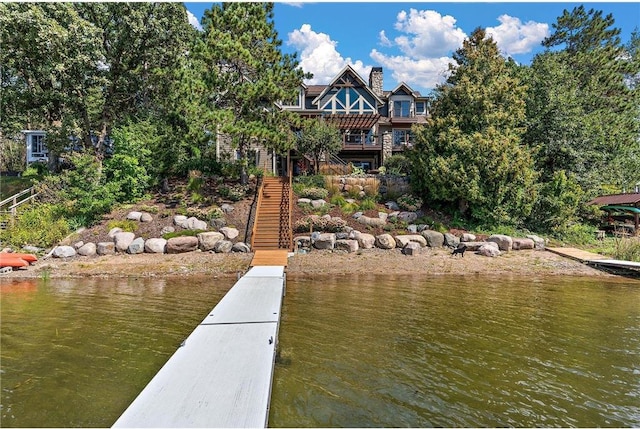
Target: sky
414	42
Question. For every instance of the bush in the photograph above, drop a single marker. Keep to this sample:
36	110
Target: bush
409	202
317	223
397	165
368	204
234	192
41	225
314	193
125	225
183	233
628	249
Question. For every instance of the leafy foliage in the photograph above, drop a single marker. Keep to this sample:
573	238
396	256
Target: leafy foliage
41	225
318	138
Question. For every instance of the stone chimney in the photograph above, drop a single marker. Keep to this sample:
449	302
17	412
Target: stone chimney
375	81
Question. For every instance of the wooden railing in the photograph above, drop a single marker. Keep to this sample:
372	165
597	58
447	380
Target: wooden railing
12	203
255	222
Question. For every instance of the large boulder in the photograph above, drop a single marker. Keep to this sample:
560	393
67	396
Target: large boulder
488	250
134	216
325	241
407	216
194	224
223	246
146	217
180	220
87	249
411	249
182	244
106	248
451	240
167	230
136	247
114	231
366	241
434	238
372	221
472	246
241	247
304	201
350	246
122	240
538	242
466	237
402	240
505	243
230	233
316	204
523	244
64	252
155	245
302	242
385	241
207	240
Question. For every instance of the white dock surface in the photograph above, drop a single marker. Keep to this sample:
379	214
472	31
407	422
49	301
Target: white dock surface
221	376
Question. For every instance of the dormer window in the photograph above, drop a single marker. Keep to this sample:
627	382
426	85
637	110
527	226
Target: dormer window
421	108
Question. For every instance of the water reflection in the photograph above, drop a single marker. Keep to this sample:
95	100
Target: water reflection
355	351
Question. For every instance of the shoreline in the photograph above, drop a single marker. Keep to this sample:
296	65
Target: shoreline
315	263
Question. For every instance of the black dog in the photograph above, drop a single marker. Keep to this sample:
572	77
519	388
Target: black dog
460	249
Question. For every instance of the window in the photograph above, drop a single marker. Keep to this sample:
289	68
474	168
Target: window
421	108
38	149
402	138
401	108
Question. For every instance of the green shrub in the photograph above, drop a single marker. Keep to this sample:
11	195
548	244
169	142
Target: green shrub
126	225
368	203
338	200
183	233
318	223
409	202
577	234
234	192
206	214
314	193
41	225
148	209
628	249
397	165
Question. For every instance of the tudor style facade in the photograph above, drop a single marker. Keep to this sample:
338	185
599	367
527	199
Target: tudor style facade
375	124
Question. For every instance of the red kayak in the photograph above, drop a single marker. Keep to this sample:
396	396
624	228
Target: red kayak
30	258
8	260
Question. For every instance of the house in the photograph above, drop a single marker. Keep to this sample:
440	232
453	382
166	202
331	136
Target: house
36	149
375	123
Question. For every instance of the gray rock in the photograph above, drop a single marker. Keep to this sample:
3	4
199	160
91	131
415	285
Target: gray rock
88	249
123	240
407	216
403	240
208	240
539	242
385	241
451	240
167	230
434	238
194	224
371	221
350	246
366	241
136	247
78	245
316	204
64	252
182	244
384	216
155	245
325	241
357	215
413	229
223	246
342	236
467	237
134	216
218	223
473	246
146	217
488	250
105	248
241	247
304	201
392	205
302	242
411	249
523	244
393	214
505	243
226	208
230	233
31	249
180	220
114	231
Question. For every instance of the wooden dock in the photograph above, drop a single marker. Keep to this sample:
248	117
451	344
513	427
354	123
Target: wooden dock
593	258
221	375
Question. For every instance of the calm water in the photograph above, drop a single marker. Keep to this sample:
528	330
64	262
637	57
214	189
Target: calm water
355	351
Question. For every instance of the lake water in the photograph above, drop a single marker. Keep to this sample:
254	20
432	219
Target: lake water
355	351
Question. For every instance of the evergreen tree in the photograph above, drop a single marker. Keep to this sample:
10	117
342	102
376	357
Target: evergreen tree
470	153
246	74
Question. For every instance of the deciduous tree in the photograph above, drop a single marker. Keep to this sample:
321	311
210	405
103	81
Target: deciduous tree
318	138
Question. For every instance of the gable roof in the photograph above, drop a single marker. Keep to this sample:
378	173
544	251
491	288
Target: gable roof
346	69
633	198
407	89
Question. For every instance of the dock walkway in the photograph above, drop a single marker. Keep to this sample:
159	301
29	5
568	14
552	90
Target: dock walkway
592	258
222	373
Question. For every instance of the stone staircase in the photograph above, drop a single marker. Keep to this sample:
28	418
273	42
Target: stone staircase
272	227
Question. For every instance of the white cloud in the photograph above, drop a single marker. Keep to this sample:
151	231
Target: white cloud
514	37
429	34
194	21
318	54
384	40
419	73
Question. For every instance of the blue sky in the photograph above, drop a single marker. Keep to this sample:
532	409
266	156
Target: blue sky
413	42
